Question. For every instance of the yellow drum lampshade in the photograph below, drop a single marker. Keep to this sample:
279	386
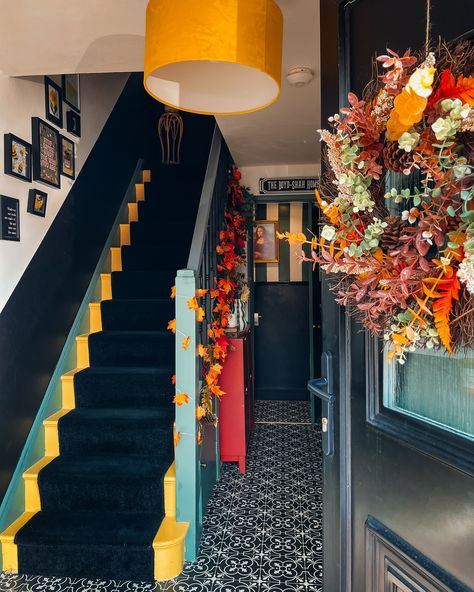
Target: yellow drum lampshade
218	57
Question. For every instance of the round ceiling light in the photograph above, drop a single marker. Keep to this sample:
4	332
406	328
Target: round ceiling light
204	59
300	76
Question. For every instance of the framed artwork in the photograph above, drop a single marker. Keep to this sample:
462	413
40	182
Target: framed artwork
265	243
17	157
54	101
73	123
71	90
37	202
68	158
10	218
46	153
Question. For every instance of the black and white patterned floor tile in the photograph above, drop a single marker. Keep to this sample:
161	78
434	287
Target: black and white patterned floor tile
282	412
262	530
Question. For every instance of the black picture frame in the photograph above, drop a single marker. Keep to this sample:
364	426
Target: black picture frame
68	157
9	218
37	201
17	157
53	97
73	123
72	91
46	153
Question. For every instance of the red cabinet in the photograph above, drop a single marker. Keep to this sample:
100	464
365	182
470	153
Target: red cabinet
237	405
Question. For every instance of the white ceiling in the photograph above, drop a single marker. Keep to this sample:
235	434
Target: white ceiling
58	36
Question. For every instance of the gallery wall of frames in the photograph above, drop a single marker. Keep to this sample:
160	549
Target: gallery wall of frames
48	126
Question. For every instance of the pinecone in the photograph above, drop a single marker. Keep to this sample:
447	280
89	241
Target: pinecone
467	139
395	158
390	239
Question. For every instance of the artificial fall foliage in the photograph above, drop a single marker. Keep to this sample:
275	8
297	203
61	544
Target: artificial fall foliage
229	285
397	241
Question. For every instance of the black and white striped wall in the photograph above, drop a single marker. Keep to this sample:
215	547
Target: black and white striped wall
291	217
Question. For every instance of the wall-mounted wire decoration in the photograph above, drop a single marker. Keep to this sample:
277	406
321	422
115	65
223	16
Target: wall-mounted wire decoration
170	131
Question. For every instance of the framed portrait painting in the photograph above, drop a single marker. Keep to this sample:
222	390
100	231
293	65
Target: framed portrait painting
68	160
17	157
54	101
46	153
37	202
71	90
265	242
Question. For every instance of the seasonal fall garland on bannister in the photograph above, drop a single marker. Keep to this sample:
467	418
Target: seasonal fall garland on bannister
229	285
402	260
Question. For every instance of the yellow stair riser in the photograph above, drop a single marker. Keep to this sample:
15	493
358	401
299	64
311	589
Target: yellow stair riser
105	286
67	385
125	235
168	548
82	348
30	477
170	491
139	192
132	212
95	317
116	259
146	176
9	548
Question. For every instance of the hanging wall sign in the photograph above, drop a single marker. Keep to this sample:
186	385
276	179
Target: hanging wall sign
10	218
288	185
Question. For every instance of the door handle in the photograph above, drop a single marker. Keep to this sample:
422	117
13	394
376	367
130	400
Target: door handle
323	389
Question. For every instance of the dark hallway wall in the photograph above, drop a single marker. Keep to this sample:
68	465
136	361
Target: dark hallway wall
36	320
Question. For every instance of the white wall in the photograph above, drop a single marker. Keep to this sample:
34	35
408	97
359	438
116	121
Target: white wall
251	175
20	100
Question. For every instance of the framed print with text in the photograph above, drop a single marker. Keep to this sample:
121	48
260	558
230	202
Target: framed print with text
46	153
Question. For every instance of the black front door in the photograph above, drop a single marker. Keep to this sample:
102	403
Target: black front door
398	489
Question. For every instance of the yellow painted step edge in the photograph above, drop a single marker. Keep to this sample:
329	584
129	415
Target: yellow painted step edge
139	192
82	351
116	259
95	317
106	286
170	491
67	384
132	212
146	176
125	239
30	477
7	538
168	548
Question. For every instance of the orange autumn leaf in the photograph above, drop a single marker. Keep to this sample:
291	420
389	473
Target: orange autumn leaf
173	292
172	325
214	293
216	368
185	342
199	437
447	292
200	314
201	293
217	391
202	351
225	284
450	88
173	379
180	399
177	438
193	303
200	412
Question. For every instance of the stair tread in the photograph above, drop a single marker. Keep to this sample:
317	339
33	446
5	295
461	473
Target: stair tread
59	528
110	466
128	370
123	414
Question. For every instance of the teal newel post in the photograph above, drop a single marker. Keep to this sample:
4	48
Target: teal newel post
187	381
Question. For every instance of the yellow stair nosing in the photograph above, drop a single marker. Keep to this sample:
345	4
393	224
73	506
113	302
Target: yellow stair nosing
8	535
32	472
170	475
170	533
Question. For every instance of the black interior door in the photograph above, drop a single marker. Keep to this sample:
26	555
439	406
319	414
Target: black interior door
398	497
282	349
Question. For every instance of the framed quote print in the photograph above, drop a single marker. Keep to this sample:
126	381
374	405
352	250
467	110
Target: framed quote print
46	153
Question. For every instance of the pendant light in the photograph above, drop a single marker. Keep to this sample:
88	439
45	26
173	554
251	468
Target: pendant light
216	57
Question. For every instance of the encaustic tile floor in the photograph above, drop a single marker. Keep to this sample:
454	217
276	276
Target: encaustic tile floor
262	530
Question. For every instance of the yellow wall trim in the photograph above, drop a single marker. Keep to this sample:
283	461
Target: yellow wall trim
7	538
132	212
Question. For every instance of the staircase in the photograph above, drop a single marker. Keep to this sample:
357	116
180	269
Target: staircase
102	502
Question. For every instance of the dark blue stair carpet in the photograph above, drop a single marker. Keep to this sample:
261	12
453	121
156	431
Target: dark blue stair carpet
143	257
125	387
142	284
131	348
136	315
118	545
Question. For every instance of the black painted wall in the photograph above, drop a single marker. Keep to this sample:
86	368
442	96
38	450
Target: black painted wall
38	316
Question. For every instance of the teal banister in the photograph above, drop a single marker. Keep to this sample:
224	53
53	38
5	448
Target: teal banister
195	479
13	504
